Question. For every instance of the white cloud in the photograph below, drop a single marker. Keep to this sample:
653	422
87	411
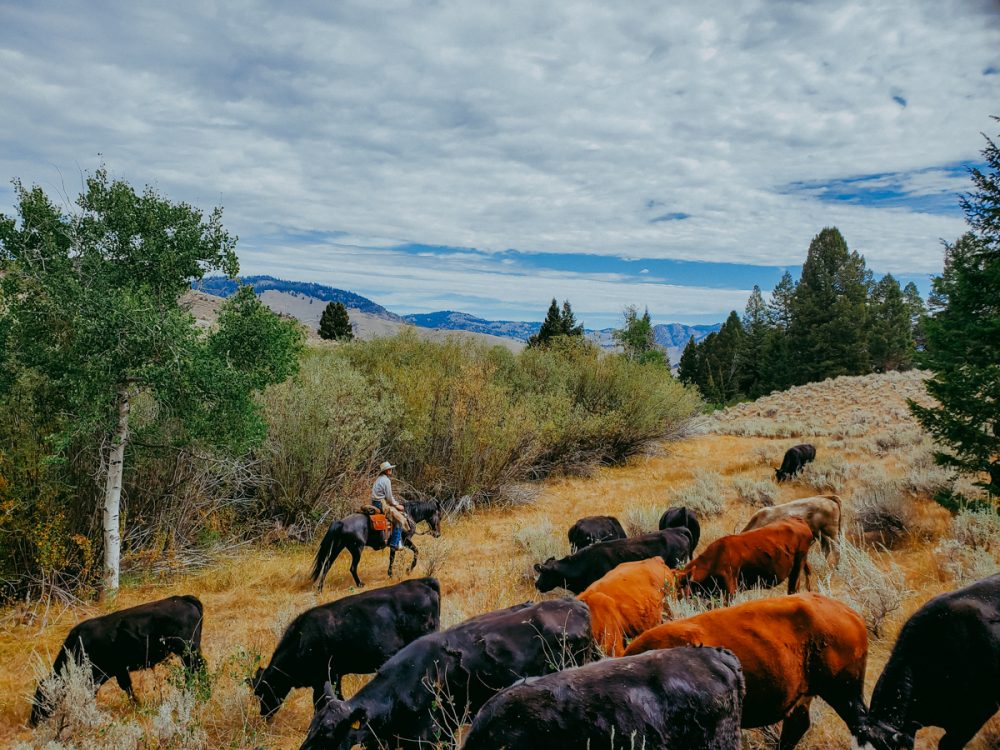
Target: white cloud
543	127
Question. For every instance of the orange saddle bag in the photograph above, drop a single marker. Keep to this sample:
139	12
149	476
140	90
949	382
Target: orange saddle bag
379	522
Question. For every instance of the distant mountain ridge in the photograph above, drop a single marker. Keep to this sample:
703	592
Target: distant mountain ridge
221	286
672	336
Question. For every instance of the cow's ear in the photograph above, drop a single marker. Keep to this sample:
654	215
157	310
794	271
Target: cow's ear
358	717
538	567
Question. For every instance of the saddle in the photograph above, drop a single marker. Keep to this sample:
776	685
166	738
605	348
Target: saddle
377	520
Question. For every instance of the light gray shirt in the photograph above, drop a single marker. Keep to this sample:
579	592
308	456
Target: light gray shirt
382	490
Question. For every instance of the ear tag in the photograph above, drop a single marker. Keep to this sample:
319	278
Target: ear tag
356	724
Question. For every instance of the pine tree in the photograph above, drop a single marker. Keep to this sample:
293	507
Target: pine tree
567	321
689	365
558	322
756	326
335	323
891	334
721	353
918	311
828	330
776	373
963	337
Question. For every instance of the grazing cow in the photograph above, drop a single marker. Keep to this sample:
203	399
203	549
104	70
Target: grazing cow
944	671
579	570
592	529
663	700
674	518
795	458
131	639
822	513
439	680
627	601
353	635
792	648
762	557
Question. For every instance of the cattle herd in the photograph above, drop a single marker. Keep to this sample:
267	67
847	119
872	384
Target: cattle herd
609	668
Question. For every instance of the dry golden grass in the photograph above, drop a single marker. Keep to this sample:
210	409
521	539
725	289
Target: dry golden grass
483	560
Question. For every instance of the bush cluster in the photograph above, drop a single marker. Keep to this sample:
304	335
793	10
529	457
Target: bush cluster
461	421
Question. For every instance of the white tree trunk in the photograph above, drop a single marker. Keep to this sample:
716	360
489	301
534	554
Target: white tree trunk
113	495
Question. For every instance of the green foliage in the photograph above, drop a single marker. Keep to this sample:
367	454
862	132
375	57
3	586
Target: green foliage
963	337
91	318
558	322
756	328
917	311
828	328
637	339
891	343
335	323
714	364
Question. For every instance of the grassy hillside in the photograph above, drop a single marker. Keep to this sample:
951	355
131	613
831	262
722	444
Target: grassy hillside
902	549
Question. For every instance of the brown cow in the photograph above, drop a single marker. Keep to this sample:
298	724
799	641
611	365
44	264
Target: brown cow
821	512
762	557
792	648
627	601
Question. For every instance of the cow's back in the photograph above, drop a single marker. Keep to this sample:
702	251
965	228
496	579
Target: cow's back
683	698
788	646
627	601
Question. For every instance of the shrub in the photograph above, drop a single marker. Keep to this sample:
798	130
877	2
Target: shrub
758	493
964	564
977	529
884	510
827	473
703	496
540	540
874	590
642	519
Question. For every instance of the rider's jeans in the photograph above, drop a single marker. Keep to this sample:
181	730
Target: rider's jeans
396	535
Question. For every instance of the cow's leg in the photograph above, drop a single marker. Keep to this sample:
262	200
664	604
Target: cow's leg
355	559
794	726
833	555
125	683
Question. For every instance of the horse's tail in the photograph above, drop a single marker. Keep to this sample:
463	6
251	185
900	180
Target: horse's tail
327	547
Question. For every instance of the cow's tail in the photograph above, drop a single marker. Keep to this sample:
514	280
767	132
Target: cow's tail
326	549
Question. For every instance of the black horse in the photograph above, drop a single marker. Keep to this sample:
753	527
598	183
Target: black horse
426	510
354	533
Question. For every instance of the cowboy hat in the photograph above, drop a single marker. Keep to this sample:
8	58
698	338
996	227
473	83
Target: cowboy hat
385	466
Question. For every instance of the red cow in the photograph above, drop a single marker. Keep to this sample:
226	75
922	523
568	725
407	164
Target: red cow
792	648
627	601
762	557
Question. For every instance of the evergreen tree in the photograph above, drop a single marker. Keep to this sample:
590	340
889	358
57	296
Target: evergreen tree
917	311
756	326
689	366
776	373
637	339
721	354
828	331
558	322
567	321
963	337
891	334
335	323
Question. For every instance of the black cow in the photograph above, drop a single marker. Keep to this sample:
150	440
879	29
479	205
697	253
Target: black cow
592	529
353	635
661	700
943	672
131	639
795	458
436	681
678	518
579	570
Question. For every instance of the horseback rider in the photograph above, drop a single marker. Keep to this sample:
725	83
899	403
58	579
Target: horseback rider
382	498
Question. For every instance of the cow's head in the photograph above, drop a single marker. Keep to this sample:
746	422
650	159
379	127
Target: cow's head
878	735
336	725
548	575
779	475
268	690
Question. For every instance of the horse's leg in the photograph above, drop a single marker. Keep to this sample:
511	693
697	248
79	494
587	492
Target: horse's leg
392	559
355	559
409	543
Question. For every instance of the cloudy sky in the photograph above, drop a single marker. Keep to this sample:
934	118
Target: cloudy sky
488	156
